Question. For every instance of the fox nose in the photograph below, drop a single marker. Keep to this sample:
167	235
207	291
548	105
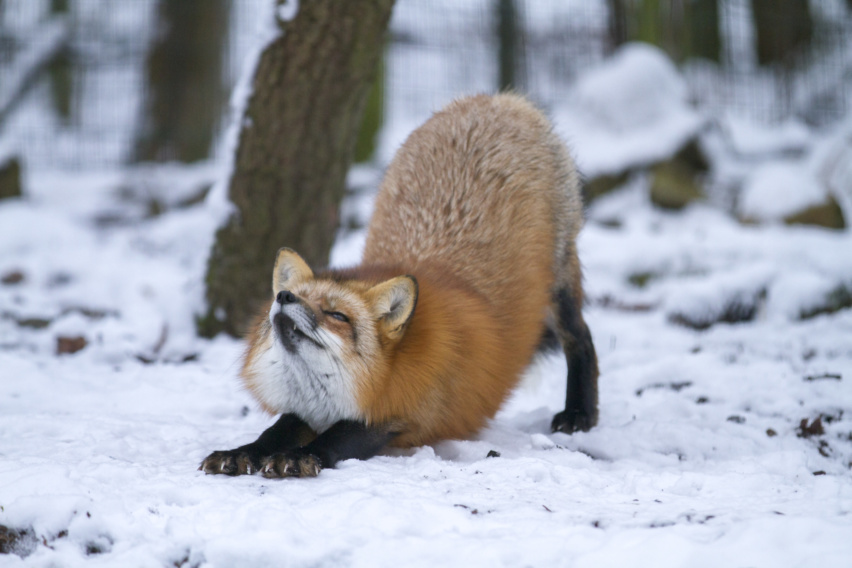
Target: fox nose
285	297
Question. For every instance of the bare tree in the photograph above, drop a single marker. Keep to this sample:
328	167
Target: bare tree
185	90
509	31
295	146
784	29
684	28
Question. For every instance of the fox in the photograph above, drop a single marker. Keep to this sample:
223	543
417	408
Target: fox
470	265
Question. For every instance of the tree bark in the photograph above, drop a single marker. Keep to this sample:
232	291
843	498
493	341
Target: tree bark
10	177
683	28
372	118
185	86
296	143
61	70
703	16
617	24
784	29
509	36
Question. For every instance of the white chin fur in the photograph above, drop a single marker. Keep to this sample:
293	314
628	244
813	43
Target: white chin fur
312	383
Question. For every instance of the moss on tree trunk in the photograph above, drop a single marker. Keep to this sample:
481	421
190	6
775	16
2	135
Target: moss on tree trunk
683	28
295	146
372	118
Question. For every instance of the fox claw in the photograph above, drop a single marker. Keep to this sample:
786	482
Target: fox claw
291	465
229	462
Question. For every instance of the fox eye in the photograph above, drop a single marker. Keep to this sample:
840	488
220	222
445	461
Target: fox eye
338	316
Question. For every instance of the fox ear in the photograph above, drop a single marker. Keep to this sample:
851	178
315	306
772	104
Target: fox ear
393	303
289	269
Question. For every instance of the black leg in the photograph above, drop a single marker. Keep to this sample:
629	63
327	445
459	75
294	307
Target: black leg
581	398
345	440
288	432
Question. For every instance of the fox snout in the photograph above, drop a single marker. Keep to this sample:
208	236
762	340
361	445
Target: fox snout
286	297
292	320
290	306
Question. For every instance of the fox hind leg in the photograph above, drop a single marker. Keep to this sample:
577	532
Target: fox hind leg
581	398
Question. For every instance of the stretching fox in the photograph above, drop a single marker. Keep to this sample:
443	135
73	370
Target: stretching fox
470	258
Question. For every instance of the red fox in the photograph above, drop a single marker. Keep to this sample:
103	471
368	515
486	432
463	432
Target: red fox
470	261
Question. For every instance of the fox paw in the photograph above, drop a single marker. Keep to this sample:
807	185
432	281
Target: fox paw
290	465
570	421
229	462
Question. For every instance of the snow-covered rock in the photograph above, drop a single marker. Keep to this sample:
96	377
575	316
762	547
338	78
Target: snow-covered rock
749	138
778	189
784	191
832	159
633	110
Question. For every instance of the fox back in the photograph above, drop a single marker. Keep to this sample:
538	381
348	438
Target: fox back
482	200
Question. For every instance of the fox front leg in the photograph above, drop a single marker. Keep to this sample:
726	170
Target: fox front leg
345	440
288	432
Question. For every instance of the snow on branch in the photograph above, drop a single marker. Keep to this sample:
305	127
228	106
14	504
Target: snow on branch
50	39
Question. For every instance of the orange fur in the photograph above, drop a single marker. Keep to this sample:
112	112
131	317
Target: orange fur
469	206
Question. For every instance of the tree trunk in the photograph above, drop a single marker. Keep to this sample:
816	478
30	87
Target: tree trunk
296	143
683	28
648	17
60	71
704	24
784	29
10	177
617	24
185	87
372	118
509	32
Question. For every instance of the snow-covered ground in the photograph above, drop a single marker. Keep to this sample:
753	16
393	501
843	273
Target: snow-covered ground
700	457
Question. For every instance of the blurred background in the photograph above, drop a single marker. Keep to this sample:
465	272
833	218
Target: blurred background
719	101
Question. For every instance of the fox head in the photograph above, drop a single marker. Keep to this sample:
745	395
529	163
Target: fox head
322	337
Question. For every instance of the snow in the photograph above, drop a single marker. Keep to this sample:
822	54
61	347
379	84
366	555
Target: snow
287	10
778	189
713	262
832	160
750	138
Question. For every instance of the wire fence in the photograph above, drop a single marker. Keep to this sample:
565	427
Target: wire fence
75	74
